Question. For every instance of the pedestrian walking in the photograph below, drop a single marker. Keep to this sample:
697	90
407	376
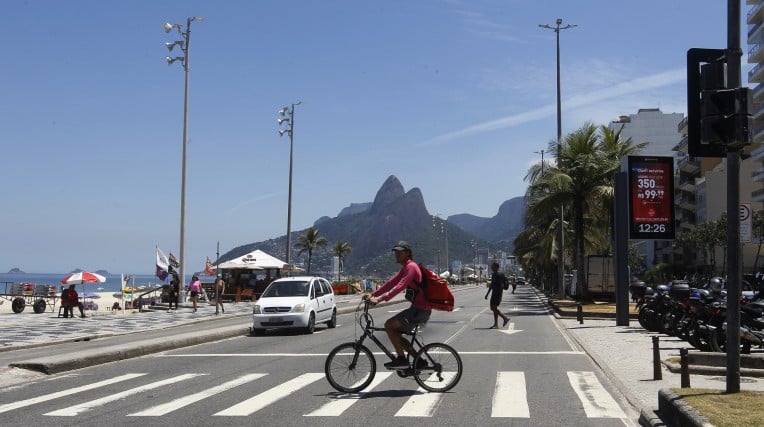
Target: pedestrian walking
174	290
195	287
496	289
220	289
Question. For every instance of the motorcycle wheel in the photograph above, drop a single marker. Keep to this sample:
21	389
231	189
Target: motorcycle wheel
643	320
717	340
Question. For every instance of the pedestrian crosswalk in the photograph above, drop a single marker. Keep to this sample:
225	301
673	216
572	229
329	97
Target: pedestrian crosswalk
509	400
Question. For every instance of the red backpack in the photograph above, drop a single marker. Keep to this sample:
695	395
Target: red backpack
436	290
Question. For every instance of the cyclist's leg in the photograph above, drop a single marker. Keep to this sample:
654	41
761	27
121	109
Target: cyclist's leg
394	329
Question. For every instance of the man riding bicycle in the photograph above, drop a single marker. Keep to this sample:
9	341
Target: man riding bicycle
405	321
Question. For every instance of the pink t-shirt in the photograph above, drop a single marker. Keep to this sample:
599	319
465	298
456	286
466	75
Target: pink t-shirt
195	286
408	276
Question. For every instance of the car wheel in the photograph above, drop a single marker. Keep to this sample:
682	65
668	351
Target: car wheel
332	323
311	324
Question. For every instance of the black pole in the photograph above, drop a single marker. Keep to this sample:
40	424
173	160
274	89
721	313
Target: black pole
621	227
218	277
734	272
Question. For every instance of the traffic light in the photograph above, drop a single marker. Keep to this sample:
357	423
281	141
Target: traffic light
718	117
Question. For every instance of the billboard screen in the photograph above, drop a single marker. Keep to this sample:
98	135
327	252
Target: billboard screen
651	197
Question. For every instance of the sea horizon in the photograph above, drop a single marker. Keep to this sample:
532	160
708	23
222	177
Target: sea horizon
112	283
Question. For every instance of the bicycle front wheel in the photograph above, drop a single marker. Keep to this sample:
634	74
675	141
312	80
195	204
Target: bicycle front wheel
350	368
437	367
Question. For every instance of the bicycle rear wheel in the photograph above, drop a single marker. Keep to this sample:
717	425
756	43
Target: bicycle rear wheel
437	367
350	368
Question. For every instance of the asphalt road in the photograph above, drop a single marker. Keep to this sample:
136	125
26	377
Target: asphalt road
527	374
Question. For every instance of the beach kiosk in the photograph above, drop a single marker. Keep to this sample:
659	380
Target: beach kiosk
248	275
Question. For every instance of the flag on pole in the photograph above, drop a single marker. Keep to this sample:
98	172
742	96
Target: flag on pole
209	268
174	262
162	265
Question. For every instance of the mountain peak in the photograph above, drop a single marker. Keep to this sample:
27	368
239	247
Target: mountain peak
390	191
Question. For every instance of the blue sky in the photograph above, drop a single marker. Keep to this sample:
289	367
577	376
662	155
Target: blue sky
452	97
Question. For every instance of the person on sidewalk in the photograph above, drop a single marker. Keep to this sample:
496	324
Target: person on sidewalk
174	290
497	287
195	287
220	290
69	300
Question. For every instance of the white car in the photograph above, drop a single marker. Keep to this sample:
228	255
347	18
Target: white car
295	302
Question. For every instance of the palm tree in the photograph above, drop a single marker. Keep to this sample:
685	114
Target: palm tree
340	249
582	181
309	241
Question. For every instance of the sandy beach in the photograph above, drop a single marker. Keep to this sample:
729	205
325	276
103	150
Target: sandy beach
105	301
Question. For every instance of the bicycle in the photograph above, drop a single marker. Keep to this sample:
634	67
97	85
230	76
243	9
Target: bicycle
350	367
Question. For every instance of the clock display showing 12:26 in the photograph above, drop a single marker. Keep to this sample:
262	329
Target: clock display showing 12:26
651	197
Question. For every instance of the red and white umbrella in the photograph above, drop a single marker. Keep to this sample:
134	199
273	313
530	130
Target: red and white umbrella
82	277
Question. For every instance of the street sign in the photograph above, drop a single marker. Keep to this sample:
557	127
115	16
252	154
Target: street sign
651	197
745	222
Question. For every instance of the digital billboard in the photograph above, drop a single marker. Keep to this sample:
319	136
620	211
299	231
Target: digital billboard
651	197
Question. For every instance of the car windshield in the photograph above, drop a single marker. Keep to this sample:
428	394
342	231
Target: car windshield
287	289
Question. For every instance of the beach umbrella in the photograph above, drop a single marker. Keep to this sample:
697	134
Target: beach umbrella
82	277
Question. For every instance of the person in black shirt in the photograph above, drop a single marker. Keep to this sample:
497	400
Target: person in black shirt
497	288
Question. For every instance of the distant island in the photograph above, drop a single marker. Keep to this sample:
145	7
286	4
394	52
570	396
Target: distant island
16	270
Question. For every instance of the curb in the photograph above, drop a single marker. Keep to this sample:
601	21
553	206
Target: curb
678	412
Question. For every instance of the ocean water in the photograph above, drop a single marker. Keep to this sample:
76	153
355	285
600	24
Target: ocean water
112	283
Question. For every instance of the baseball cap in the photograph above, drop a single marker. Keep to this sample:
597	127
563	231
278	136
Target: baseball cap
402	245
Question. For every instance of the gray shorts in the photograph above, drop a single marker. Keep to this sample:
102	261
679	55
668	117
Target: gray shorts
410	317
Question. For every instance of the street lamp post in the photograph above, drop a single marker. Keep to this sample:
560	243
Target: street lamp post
184	46
560	233
284	112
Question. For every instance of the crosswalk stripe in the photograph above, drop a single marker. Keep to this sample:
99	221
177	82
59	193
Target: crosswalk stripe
510	396
423	403
597	402
39	399
344	402
83	407
254	404
176	404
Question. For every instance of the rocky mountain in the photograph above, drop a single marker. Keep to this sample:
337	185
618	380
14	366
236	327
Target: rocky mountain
15	270
500	229
371	229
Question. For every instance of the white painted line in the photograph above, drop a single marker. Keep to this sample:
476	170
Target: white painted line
84	407
39	399
343	402
422	403
376	353
176	404
597	402
510	398
463	328
254	404
510	330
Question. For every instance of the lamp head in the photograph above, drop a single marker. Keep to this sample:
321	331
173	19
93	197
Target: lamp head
168	27
171	45
196	18
283	111
170	60
559	21
283	131
280	121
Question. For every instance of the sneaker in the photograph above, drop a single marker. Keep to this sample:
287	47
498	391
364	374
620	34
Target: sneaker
505	322
397	364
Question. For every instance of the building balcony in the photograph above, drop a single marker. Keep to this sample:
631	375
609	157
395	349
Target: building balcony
688	185
758	195
757	154
758	93
757	175
756	75
756	53
688	164
754	31
754	15
683	124
758	111
751	1
682	146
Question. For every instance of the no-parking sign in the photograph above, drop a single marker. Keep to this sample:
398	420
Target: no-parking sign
744	214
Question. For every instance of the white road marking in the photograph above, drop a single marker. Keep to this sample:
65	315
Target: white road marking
510	330
463	328
39	399
423	403
254	404
344	402
84	407
176	404
597	402
510	398
376	353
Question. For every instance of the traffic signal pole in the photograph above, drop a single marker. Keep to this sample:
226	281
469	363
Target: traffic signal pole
734	272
